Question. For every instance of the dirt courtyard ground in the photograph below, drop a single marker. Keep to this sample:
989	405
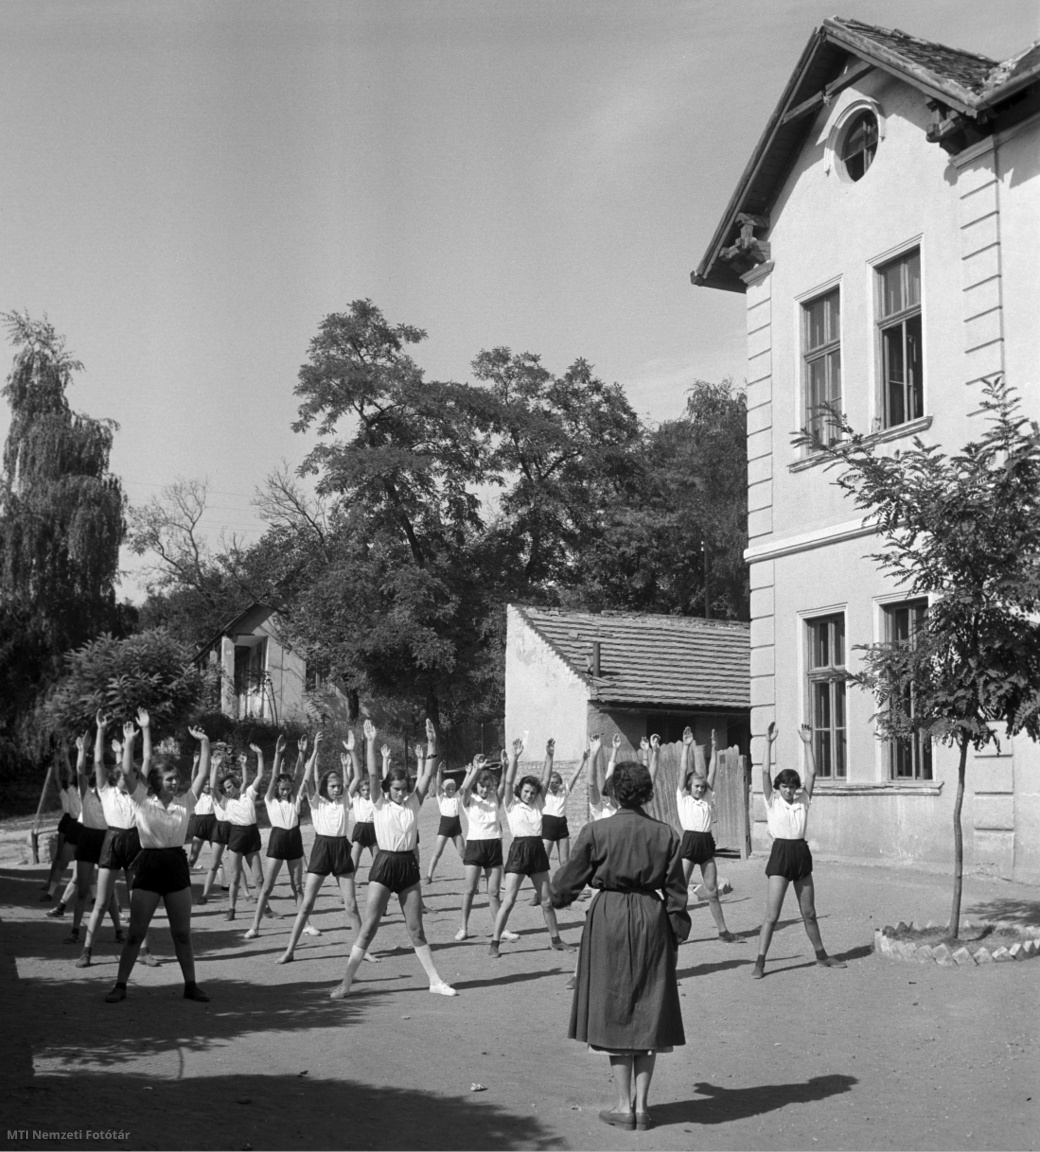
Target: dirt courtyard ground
881	1055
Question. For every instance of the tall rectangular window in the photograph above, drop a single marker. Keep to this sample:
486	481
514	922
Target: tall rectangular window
899	325
821	357
826	673
909	758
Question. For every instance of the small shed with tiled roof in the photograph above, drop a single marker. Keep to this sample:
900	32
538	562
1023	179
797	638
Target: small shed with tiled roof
570	674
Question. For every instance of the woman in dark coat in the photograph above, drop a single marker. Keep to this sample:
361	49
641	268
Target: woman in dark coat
626	1003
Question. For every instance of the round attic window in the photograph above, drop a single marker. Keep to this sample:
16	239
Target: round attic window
859	144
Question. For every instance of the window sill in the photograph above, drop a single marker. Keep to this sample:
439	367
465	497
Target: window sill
878	788
910	428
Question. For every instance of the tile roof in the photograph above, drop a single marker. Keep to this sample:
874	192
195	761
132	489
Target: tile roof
653	660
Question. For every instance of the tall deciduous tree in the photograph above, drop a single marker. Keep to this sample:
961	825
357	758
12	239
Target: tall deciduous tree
964	531
61	516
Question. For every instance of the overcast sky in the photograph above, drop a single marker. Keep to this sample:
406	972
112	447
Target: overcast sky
186	189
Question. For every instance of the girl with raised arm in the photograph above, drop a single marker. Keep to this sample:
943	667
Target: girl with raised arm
695	803
222	826
601	803
93	828
244	841
330	852
122	842
790	861
361	803
68	831
162	810
554	815
450	826
203	829
527	855
481	796
395	869
285	845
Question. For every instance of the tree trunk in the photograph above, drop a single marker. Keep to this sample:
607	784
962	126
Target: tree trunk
958	843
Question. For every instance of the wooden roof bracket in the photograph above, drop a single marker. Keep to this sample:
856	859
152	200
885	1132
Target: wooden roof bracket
955	131
747	251
823	98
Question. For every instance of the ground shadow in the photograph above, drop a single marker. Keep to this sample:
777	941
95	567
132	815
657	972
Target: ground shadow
1017	911
720	966
727	1104
262	1111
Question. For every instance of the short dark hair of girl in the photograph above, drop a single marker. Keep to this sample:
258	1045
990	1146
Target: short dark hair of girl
486	776
396	774
535	783
224	779
154	781
323	781
282	778
788	776
632	784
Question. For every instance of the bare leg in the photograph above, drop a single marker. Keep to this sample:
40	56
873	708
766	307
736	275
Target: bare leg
621	1070
84	874
711	891
472	883
346	887
806	894
513	882
310	894
775	894
211	875
142	908
378	898
643	1066
541	889
104	891
494	884
265	894
411	905
438	849
236	879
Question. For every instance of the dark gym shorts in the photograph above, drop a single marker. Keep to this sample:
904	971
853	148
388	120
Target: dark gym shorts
202	827
66	823
555	828
120	848
527	856
790	859
697	847
88	846
162	870
244	838
484	853
285	844
223	832
365	834
330	856
449	826
397	871
72	835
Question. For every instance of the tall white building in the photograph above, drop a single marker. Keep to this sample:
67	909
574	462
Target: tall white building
886	235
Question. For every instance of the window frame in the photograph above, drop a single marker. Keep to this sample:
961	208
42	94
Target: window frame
830	741
908	321
868	153
827	352
917	748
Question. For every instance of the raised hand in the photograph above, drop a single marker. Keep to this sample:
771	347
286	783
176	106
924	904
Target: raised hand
370	730
655	742
550	747
117	747
301	746
595	743
143	719
714	740
687	736
431	731
198	733
349	742
479	761
804	733
101	720
318	737
81	743
518	747
279	744
129	732
772	731
385	752
256	748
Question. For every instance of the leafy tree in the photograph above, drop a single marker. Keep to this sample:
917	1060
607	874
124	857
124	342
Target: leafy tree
61	522
674	540
149	670
963	530
566	448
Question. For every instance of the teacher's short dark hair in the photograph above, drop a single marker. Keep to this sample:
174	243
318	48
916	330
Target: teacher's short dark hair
632	784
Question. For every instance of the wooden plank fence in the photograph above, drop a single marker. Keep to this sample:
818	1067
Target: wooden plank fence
732	827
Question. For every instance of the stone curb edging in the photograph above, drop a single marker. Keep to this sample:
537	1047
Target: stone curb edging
941	954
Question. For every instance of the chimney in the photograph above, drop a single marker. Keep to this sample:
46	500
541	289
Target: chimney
594	668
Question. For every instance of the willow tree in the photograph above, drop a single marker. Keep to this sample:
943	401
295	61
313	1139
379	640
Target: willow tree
61	517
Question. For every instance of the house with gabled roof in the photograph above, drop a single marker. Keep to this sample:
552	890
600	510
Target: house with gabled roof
886	236
572	674
260	675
